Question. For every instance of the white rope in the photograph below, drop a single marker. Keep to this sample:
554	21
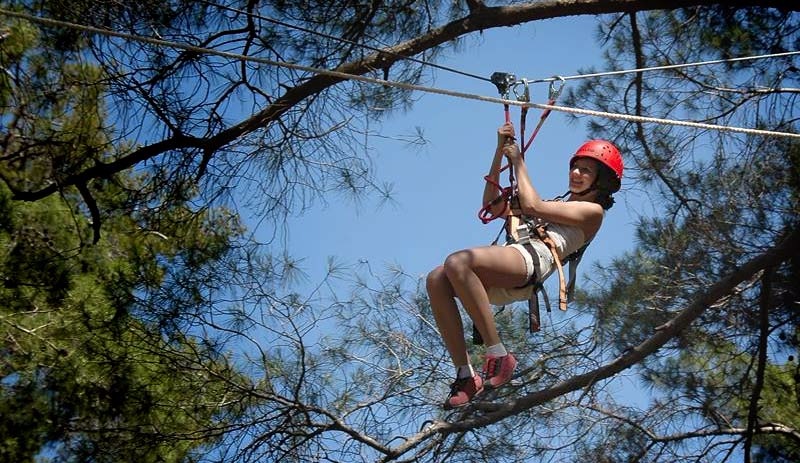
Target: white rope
656	120
402	85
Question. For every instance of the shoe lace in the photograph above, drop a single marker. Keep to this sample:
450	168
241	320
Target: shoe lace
458	386
493	365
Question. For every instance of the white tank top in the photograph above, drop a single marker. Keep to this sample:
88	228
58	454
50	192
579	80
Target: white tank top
567	238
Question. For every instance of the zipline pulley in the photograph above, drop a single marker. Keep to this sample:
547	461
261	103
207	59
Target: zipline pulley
503	81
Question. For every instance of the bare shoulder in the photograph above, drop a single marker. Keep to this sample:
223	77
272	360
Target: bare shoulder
586	215
593	214
589	208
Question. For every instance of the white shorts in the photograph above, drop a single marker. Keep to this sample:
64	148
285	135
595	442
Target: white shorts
530	269
502	296
541	265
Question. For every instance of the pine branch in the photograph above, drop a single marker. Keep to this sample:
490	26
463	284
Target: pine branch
781	252
763	338
93	210
479	19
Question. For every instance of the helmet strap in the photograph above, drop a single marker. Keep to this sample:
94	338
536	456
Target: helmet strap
584	192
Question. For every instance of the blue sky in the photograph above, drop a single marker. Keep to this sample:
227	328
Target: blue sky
437	188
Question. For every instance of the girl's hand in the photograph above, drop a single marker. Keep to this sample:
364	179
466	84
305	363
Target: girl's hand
512	152
506	143
504	134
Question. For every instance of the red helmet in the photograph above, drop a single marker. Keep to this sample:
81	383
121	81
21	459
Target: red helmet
604	152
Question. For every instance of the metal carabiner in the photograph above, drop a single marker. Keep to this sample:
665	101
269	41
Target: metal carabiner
525	97
554	91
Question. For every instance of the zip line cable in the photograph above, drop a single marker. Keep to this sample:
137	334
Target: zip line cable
406	86
666	66
344	40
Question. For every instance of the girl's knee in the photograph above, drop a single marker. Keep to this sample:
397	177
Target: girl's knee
435	277
456	263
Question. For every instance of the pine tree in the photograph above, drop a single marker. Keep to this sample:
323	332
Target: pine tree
729	382
97	362
141	322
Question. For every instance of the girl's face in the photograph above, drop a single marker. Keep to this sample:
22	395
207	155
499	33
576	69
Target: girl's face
582	174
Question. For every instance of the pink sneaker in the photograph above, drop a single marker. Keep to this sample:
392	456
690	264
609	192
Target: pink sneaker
462	391
498	370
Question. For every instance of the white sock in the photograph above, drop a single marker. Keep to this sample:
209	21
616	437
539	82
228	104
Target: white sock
497	350
465	371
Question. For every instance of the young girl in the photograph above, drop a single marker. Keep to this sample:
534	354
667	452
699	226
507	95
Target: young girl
505	273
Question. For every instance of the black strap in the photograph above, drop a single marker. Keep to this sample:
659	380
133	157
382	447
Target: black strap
574	259
477	339
534	317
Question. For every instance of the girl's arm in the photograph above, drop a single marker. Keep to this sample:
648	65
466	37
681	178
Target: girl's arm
505	135
490	189
584	214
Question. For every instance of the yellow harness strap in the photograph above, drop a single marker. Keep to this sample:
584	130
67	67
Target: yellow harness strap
541	231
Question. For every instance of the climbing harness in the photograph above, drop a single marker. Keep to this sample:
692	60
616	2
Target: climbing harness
519	228
534	228
566	288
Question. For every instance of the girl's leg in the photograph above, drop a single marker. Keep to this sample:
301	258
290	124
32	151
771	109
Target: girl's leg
471	271
447	316
466	274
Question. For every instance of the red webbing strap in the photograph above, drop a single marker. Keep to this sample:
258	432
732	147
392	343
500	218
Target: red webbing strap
523	116
542	118
485	214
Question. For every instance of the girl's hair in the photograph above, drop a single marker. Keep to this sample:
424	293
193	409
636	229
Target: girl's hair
606	184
